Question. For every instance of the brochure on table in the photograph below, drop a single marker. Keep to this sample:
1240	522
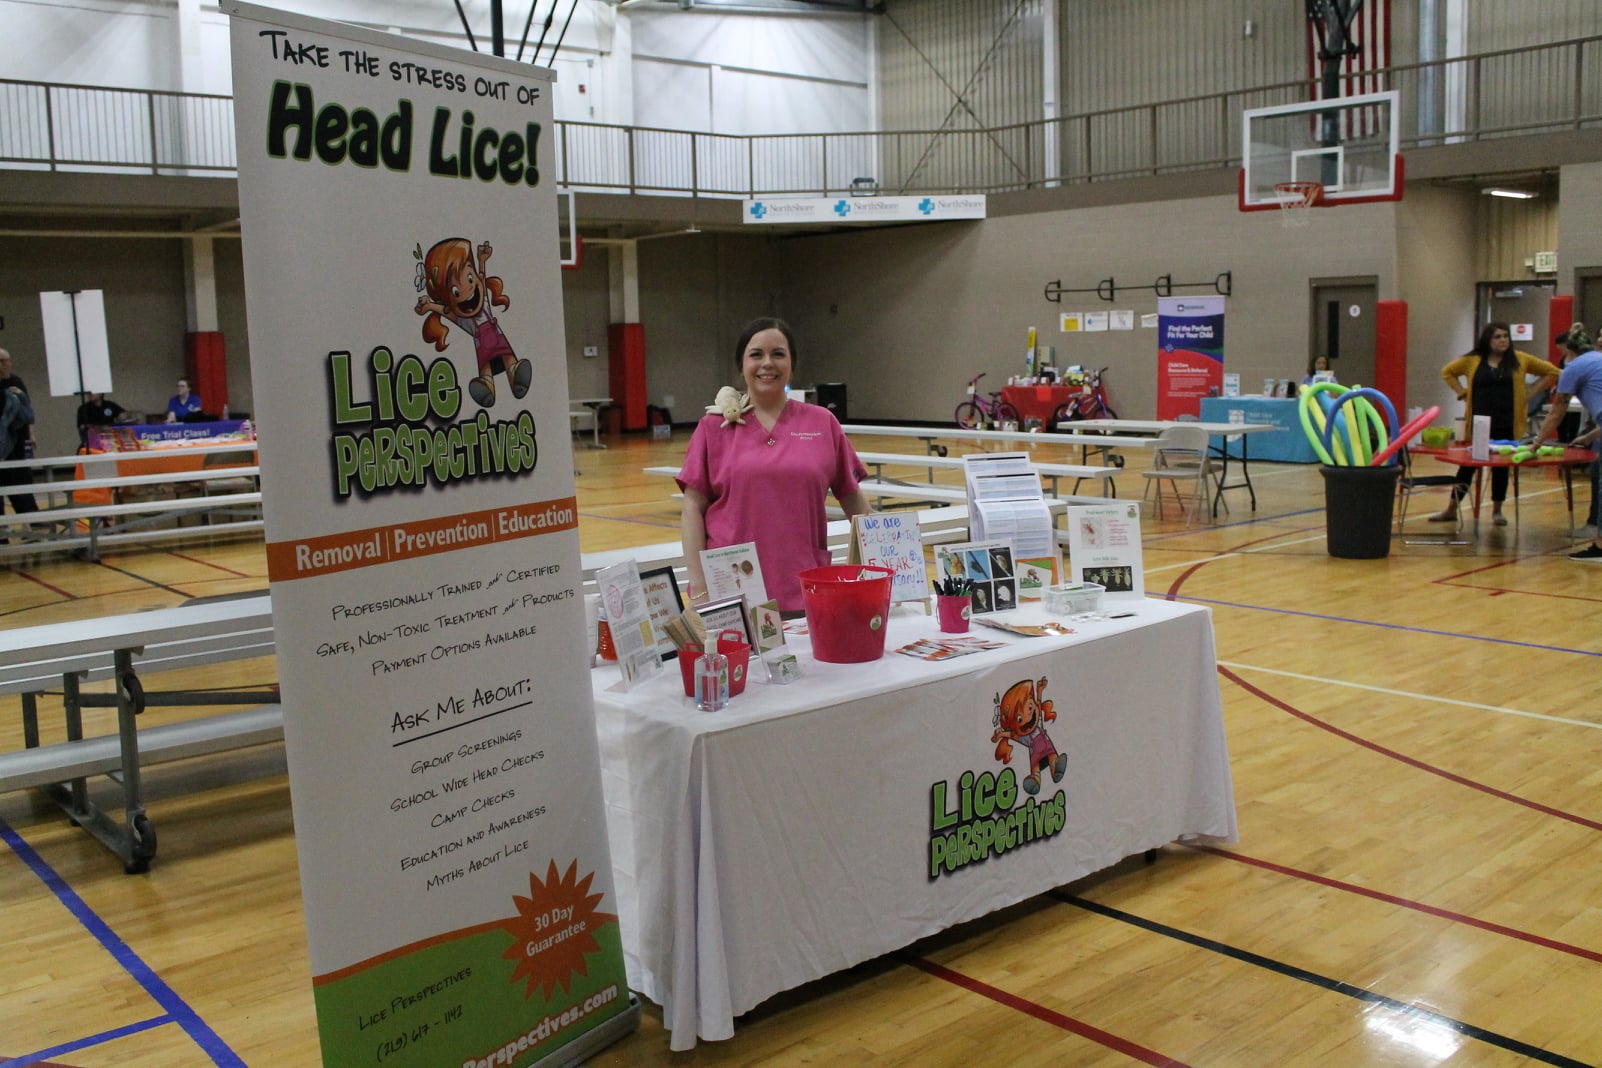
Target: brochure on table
1104	548
628	617
734	571
1005	502
400	246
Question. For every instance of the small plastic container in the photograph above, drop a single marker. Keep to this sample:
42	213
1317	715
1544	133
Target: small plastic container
1074	598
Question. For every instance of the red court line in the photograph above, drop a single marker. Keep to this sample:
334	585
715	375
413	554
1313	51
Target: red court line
1410	761
1406	903
1039	1012
208	563
41	582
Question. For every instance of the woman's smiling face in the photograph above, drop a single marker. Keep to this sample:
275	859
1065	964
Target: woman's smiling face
766	365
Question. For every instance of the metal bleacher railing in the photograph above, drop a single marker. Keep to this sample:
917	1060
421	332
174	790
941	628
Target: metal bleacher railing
1507	93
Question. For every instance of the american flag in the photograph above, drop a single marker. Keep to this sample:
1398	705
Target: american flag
1368	52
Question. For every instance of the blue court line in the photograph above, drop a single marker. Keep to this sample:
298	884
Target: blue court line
177	1011
1337	986
1391	626
84	1043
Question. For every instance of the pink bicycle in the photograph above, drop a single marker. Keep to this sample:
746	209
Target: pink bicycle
979	412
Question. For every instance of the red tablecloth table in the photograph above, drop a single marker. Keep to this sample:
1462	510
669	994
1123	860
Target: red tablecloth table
1038	402
1565	462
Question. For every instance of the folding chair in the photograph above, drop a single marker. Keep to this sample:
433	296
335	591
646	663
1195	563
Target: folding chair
1410	484
1180	454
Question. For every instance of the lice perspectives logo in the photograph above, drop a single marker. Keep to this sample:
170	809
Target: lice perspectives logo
979	814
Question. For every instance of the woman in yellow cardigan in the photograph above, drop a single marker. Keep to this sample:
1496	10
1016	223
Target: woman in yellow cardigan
1490	381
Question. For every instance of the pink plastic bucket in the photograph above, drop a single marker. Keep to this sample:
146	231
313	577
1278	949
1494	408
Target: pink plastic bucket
847	608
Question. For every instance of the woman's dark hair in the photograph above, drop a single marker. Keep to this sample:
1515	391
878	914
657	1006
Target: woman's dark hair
755	327
1482	345
1312	365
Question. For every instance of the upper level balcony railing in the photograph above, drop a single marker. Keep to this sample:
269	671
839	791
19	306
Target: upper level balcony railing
1492	95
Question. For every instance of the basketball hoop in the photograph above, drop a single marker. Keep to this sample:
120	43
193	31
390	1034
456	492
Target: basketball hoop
1296	200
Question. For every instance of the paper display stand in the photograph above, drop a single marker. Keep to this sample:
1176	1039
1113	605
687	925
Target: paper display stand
628	617
734	571
885	539
1006	503
1104	548
989	568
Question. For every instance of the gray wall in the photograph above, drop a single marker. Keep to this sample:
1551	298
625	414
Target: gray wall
1579	223
920	310
696	292
586	313
1436	248
143	281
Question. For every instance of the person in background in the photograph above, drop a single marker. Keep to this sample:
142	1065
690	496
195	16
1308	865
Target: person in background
184	403
1490	381
96	410
1319	366
760	467
16	436
1565	343
1582	378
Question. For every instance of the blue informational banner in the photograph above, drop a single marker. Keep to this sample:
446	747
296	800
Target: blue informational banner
159	435
1190	353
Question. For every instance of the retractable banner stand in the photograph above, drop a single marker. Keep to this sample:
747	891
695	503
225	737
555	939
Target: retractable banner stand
1190	353
407	353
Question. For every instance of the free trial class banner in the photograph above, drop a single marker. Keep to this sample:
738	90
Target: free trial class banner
1190	353
408	360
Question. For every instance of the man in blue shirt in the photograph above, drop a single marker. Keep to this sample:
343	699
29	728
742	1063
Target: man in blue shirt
1581	377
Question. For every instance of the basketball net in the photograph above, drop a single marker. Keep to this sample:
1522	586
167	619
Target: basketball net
1296	200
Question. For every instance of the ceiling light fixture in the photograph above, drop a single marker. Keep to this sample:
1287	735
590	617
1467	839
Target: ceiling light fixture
1511	194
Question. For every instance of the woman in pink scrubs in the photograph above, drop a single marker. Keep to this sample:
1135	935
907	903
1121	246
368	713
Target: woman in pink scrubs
766	478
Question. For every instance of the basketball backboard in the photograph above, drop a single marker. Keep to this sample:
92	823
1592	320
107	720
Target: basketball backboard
1349	144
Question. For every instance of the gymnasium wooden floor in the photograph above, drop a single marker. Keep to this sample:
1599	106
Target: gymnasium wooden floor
1417	753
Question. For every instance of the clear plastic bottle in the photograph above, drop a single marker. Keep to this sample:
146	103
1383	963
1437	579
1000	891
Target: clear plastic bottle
711	681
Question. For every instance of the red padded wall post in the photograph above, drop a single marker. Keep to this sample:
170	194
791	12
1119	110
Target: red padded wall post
206	367
626	371
1390	352
1559	315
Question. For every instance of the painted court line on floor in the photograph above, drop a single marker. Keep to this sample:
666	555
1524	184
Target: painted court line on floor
1411	1011
1499	709
1240	552
1402	902
177	1010
1174	595
1411	761
1038	1011
87	1042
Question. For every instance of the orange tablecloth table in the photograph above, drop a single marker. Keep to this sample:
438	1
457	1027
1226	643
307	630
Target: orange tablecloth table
167	460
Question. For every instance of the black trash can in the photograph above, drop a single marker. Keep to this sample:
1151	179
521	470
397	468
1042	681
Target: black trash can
832	395
1357	510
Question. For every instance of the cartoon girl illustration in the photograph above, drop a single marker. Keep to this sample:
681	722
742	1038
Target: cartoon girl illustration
454	288
1021	717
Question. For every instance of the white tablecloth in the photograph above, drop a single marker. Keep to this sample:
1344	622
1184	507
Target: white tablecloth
789	836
